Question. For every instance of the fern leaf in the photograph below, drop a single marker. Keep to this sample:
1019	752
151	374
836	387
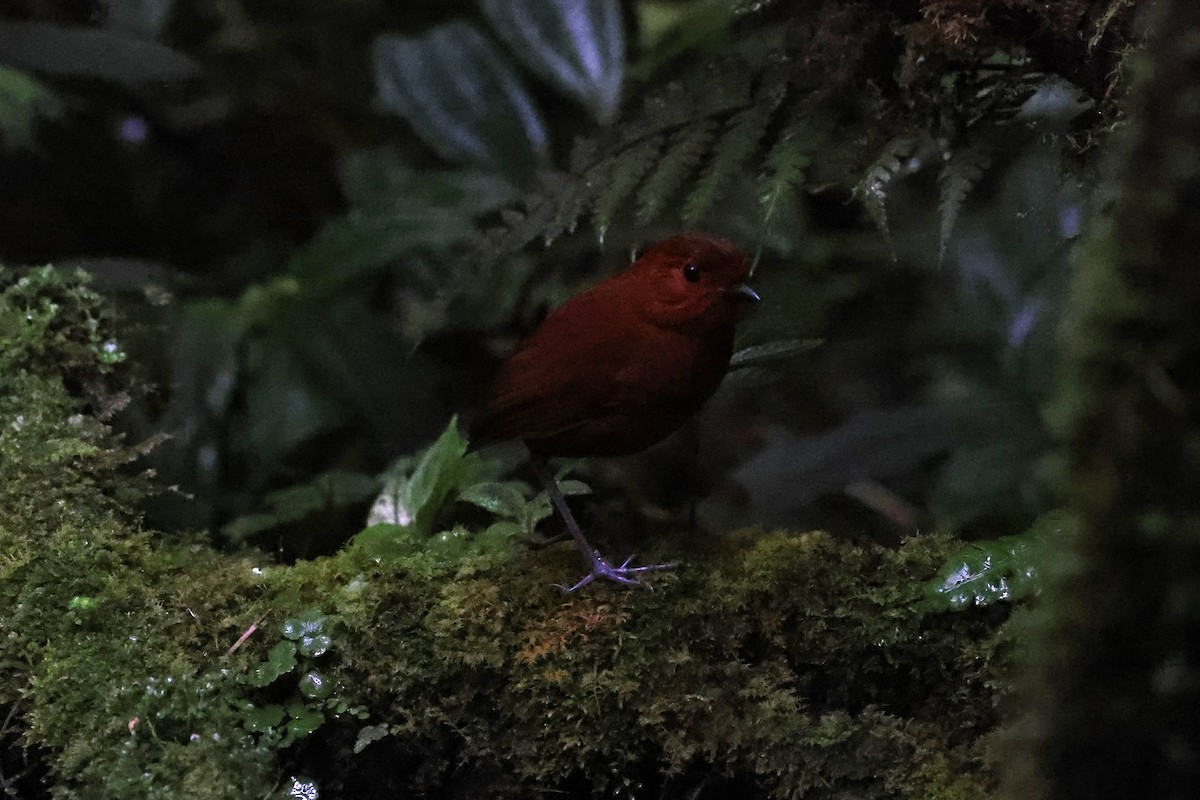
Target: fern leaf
683	153
625	171
783	171
876	182
736	145
569	196
955	182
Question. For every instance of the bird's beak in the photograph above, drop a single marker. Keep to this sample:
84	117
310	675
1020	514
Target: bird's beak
743	292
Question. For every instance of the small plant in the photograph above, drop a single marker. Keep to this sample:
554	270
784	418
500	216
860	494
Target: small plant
306	639
406	516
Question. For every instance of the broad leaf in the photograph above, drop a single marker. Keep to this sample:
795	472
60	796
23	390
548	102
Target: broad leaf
780	350
1009	568
411	500
110	55
462	98
576	45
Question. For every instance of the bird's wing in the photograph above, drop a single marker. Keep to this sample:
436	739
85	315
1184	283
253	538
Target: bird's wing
560	379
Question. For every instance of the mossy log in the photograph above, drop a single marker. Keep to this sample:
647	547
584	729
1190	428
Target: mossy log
134	664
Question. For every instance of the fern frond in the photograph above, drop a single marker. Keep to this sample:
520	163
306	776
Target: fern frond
571	196
783	170
955	182
736	145
876	182
684	152
623	173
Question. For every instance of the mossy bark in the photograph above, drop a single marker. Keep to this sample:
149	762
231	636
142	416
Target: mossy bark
1116	680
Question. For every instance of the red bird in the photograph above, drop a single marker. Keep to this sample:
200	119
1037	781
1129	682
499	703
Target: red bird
621	366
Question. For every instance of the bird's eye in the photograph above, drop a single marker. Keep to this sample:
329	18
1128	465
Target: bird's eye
692	273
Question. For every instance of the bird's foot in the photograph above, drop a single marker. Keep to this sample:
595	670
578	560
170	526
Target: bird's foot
630	576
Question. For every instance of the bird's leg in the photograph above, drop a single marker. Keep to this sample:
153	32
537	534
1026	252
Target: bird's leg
598	566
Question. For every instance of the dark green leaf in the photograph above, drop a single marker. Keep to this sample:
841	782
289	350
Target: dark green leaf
505	499
280	661
309	630
327	490
22	101
958	177
93	53
387	542
895	160
1008	568
759	354
283	406
683	153
368	240
380	178
498	536
449	546
315	686
737	143
260	719
303	722
571	487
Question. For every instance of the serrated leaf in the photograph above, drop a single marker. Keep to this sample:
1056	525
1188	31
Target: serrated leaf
280	661
563	207
1005	569
783	169
737	143
625	171
683	153
462	98
873	188
576	45
956	180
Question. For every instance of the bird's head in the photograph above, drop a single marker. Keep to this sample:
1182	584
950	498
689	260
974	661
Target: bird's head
692	280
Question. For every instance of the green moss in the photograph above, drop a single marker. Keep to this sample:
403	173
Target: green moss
788	665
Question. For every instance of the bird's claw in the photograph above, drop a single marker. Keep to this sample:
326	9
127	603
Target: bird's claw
623	574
